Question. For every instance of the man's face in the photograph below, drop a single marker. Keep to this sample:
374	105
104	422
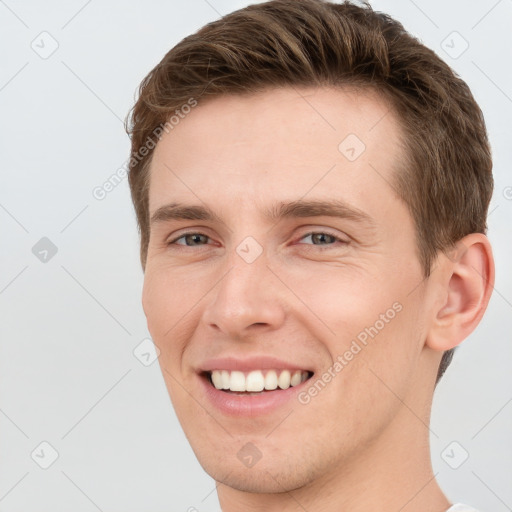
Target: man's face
247	295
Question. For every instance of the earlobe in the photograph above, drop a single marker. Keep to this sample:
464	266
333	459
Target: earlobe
467	288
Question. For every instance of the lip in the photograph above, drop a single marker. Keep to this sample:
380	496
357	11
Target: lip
249	364
235	405
231	404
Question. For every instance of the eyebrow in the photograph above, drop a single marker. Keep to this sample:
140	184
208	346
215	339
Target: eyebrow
279	211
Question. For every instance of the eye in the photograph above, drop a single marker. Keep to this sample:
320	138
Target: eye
317	237
190	236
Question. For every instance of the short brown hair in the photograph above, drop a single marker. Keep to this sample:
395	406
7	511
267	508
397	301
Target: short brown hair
445	180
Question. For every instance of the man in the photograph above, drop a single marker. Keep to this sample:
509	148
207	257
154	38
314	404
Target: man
311	185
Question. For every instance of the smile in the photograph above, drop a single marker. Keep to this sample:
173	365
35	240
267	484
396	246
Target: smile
251	386
257	381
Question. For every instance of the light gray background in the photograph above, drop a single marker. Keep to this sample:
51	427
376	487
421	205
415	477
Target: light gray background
68	375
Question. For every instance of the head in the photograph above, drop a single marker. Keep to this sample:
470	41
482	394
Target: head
283	101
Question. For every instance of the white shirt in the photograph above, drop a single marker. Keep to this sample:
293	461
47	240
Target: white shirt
459	507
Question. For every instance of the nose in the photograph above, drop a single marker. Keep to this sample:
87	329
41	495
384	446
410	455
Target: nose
248	299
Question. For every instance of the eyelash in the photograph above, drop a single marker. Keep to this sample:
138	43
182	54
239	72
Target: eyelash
320	247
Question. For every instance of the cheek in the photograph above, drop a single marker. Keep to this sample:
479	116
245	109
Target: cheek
369	322
343	300
168	293
370	376
382	372
166	301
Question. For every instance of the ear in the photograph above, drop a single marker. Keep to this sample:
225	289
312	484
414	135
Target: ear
467	282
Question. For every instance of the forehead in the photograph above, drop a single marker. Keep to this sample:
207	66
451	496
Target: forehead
280	145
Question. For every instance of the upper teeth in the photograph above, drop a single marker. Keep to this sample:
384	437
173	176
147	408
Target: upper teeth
256	380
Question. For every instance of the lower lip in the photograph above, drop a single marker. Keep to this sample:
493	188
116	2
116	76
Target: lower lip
233	404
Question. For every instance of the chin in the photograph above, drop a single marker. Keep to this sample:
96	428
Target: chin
276	472
262	480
